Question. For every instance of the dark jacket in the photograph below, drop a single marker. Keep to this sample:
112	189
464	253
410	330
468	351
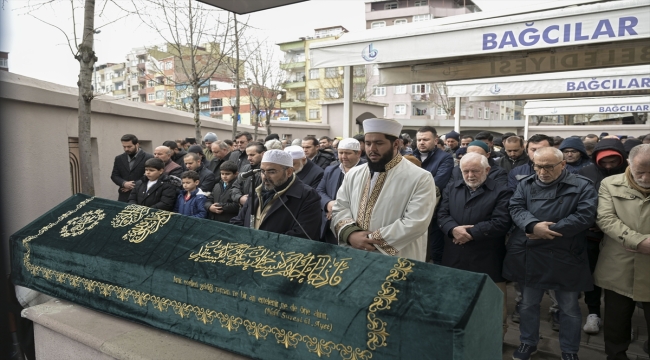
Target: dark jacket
576	143
440	164
193	207
508	164
162	195
487	210
222	195
206	179
122	172
240	158
178	158
300	199
596	173
310	174
327	189
246	186
323	159
561	263
173	169
518	173
496	173
215	163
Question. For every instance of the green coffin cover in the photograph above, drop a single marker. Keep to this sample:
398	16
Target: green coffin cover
255	293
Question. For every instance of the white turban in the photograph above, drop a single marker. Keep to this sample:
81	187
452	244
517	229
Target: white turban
349	144
279	157
382	126
296	152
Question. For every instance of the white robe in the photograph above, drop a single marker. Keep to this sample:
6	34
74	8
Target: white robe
397	210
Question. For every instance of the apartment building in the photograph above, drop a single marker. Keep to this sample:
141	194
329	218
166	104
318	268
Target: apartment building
112	79
4	61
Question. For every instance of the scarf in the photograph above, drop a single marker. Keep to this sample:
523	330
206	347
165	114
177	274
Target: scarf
630	179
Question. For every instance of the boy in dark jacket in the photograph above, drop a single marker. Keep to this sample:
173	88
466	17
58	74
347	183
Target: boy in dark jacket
219	203
190	201
155	190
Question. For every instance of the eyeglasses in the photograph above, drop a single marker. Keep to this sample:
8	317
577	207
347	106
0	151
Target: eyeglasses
547	168
271	172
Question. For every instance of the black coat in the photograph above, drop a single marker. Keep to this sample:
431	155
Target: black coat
497	173
222	196
302	201
162	194
178	158
487	210
122	173
311	174
246	186
240	158
206	179
215	163
508	164
561	263
323	159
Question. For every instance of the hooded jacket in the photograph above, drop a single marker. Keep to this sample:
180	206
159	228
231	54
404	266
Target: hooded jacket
597	173
576	143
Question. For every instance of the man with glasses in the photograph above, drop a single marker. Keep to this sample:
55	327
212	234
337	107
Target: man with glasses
552	211
239	156
282	204
575	154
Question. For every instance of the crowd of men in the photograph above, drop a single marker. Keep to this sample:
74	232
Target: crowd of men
556	216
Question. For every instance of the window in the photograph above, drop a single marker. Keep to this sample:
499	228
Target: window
160	94
331	72
300	96
359	71
300	115
213	87
314	114
151	83
400	89
390	5
300	76
216	105
314	74
151	96
314	93
134	75
400	109
421	2
168	65
440	111
480	112
204	90
331	93
4	63
422	17
400	22
134	88
204	105
377	24
379	91
487	114
170	94
420	88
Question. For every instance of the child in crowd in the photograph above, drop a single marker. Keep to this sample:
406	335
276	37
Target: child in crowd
219	204
190	201
155	189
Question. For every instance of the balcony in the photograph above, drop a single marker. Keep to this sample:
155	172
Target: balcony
420	97
292	65
142	79
121	92
142	92
293	104
142	66
296	84
216	110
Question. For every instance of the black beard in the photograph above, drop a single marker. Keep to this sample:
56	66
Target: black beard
380	165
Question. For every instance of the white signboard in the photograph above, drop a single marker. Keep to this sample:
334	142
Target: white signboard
612	105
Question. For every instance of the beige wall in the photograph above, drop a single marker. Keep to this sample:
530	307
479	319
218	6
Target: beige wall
37	120
333	115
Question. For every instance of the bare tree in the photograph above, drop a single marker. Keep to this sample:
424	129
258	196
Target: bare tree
441	98
195	39
264	83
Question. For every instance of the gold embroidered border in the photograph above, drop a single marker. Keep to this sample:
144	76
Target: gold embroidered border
206	316
80	224
384	245
368	202
341	224
377	333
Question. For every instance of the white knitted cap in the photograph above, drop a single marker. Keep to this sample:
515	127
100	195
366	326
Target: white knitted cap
279	157
382	126
296	152
349	144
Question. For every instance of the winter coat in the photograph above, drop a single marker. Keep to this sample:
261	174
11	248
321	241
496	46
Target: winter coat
311	174
487	210
300	199
222	195
215	163
327	189
623	216
173	169
123	173
576	144
439	164
178	158
508	164
561	263
240	158
518	173
162	195
206	179
496	173
193	207
323	159
246	186
596	173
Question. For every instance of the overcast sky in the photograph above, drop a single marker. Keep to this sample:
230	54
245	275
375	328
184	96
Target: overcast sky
38	50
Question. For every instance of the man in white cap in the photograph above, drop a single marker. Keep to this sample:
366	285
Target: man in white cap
306	170
349	151
282	204
385	205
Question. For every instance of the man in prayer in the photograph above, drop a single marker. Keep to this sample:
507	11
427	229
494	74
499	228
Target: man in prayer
387	204
306	170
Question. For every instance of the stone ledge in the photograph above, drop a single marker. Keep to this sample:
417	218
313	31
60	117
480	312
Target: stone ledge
91	331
